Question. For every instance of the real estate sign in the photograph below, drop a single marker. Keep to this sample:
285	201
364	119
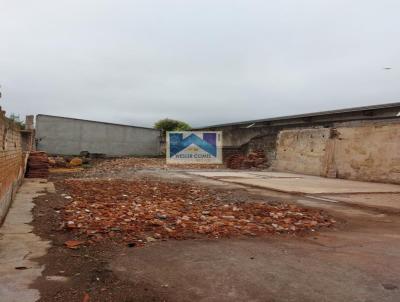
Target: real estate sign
202	147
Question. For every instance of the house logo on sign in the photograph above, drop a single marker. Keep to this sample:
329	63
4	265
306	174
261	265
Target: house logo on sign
194	147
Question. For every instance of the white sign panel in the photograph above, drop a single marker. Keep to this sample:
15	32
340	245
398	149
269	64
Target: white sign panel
202	147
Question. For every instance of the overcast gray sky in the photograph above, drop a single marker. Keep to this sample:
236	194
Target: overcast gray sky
201	61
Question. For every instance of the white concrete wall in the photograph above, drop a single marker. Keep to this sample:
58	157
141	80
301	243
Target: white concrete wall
66	136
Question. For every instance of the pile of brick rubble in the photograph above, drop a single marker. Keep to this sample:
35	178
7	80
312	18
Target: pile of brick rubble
255	159
114	166
146	210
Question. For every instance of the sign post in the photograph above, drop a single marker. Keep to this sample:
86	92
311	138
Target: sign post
191	147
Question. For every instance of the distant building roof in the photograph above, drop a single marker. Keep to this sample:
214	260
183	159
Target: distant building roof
367	110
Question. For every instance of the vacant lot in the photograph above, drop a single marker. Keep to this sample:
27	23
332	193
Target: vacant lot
137	230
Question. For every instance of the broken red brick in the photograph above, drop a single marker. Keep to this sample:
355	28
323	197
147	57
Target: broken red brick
135	210
255	159
116	165
86	297
73	244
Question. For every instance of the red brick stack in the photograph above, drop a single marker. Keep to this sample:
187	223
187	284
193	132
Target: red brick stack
235	161
255	159
38	165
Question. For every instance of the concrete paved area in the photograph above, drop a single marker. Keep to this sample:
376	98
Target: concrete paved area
19	246
383	201
299	183
361	265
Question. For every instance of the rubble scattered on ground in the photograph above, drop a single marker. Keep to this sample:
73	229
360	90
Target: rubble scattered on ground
73	244
146	210
38	165
116	165
58	162
65	170
255	159
131	162
67	161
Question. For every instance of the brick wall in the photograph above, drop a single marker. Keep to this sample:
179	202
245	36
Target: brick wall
12	162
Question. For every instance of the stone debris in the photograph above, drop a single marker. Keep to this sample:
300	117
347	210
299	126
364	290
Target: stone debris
60	162
76	161
67	162
38	165
145	210
57	278
116	165
255	159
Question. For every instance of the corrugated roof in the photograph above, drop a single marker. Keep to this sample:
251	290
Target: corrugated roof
313	114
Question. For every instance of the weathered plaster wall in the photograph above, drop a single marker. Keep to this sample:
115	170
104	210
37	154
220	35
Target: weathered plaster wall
237	137
360	151
369	152
302	150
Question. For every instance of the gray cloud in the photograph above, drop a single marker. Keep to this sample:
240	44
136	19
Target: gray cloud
203	61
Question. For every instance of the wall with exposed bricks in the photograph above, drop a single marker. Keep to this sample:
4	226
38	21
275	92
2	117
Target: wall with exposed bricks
12	162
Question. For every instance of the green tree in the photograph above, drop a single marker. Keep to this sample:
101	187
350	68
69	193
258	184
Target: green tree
171	125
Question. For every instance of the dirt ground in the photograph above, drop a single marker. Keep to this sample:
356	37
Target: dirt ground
353	259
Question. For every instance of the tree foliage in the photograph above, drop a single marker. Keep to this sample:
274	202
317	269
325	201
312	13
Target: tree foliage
171	125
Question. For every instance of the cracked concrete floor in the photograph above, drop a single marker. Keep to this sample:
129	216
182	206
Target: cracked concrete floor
19	246
332	267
